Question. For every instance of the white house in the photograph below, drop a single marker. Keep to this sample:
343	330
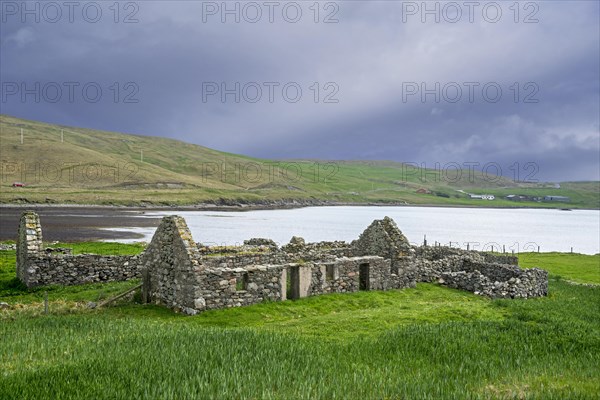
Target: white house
482	196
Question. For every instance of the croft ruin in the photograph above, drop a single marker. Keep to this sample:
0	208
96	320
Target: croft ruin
189	277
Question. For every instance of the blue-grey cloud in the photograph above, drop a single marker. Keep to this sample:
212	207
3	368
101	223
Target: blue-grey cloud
367	61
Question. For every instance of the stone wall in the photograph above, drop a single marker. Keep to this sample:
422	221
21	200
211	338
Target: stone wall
29	245
235	287
322	251
383	238
501	281
57	269
344	275
492	275
171	266
442	252
500	258
295	252
248	259
38	267
220	251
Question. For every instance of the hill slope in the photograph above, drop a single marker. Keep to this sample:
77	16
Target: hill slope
62	164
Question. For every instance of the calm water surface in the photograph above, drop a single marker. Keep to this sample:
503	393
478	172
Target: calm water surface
515	229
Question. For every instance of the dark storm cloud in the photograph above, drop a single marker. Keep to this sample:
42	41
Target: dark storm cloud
366	61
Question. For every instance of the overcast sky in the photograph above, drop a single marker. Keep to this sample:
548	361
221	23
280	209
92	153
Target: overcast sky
487	82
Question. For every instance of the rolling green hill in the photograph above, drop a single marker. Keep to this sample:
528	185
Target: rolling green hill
66	165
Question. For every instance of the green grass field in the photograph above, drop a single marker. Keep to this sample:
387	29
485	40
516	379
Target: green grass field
427	342
579	268
106	168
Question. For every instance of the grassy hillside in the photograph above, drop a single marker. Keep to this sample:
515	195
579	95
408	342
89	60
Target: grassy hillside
95	167
426	342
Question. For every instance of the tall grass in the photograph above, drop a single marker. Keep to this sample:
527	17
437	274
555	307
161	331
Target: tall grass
544	348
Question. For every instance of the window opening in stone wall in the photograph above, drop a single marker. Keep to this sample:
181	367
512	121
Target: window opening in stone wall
331	272
241	282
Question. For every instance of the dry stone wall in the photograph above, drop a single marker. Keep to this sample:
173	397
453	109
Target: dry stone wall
39	267
351	275
245	260
29	246
235	287
525	283
383	238
498	280
58	269
171	266
492	275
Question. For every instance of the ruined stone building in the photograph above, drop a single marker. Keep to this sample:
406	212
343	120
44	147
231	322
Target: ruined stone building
189	277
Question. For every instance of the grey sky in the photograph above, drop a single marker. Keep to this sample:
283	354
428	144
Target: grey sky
367	67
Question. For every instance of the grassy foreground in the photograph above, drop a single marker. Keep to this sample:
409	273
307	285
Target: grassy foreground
428	342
